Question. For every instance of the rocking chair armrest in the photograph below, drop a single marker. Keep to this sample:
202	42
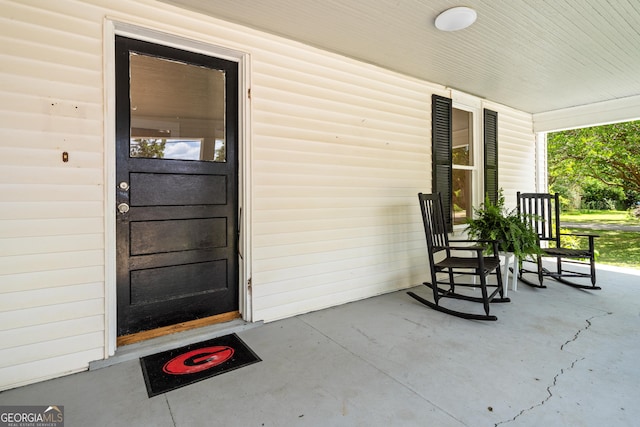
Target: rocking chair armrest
476	248
491	242
580	235
473	241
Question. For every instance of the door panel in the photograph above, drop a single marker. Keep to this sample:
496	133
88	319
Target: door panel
159	284
149	237
177	189
176	195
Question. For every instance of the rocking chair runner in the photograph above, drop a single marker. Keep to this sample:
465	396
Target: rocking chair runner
476	265
542	212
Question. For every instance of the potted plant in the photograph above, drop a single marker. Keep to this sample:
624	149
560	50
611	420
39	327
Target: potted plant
495	222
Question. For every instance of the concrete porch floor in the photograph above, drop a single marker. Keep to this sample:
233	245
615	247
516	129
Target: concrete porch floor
555	357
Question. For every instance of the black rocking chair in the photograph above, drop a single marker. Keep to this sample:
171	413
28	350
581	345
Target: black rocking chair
477	265
542	211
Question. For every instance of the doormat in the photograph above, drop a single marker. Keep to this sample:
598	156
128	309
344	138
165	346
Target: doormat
179	367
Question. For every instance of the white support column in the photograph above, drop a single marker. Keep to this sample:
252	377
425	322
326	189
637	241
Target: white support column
542	171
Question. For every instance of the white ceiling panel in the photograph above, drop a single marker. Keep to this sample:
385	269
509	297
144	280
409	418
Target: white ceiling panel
532	55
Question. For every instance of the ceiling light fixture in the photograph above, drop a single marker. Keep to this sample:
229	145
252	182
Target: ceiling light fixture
456	18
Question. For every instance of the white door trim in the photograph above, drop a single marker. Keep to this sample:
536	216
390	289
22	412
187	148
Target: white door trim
111	29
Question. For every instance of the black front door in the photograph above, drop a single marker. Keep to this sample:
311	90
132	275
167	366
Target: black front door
176	185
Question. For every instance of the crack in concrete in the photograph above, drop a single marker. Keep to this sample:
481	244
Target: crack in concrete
173	420
562	371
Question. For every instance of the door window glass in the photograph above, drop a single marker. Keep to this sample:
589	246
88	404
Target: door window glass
177	110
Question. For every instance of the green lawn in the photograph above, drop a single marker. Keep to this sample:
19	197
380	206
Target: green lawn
620	248
605	217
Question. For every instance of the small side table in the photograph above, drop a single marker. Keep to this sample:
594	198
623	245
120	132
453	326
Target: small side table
510	260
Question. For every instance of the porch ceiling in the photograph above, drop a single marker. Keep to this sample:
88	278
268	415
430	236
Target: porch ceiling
532	55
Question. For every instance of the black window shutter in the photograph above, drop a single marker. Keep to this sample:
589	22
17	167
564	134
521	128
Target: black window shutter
441	155
491	154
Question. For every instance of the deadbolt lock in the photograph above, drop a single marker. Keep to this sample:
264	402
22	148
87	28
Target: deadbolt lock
123	208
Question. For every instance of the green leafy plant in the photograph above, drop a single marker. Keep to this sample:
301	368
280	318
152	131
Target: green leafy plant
495	222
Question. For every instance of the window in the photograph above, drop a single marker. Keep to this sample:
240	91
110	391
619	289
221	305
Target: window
462	165
457	154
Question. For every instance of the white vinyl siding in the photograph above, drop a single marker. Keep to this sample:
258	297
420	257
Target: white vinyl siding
51	213
339	151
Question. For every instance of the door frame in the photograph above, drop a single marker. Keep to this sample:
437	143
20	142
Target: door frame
116	27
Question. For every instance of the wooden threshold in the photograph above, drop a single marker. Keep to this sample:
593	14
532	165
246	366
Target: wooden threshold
178	327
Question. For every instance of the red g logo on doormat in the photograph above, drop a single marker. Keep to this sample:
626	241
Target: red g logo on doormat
198	360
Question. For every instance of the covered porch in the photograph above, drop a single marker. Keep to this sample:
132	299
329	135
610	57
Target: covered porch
334	132
557	356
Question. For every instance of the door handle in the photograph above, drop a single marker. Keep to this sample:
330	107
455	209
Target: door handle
123	208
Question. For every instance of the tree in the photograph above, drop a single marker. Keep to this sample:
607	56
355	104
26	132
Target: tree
609	154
